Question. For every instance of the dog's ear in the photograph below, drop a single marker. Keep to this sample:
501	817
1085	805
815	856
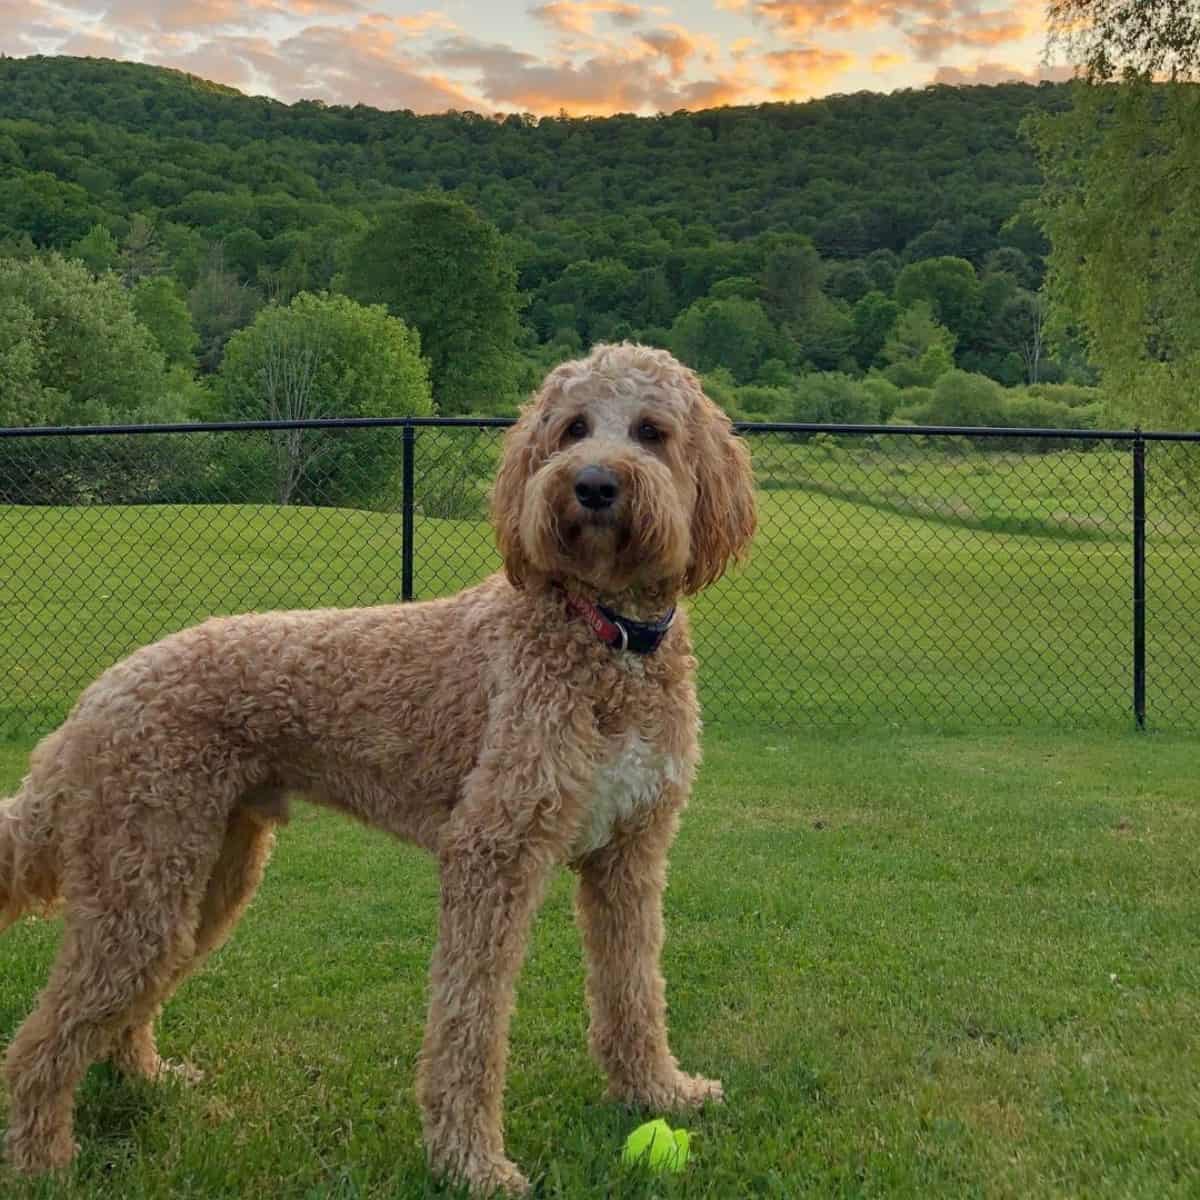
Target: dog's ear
724	518
517	464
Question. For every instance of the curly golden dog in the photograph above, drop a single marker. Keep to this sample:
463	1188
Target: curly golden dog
547	716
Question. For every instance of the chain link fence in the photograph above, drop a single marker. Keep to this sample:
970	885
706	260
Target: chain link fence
903	577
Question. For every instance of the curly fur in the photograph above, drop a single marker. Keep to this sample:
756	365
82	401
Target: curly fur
491	728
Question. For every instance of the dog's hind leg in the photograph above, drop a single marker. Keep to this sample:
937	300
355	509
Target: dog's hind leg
108	963
249	838
131	926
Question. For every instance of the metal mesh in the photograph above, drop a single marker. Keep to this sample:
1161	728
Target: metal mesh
919	581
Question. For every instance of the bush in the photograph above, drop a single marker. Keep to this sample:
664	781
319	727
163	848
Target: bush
960	398
1072	395
755	402
833	398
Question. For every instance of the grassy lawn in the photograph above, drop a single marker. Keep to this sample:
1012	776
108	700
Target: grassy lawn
847	613
923	966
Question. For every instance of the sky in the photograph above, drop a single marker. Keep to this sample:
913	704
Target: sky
584	57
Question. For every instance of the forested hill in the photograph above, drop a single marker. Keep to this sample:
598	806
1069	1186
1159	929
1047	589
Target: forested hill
771	241
858	173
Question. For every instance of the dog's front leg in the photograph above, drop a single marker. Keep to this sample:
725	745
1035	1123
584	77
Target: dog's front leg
619	906
495	861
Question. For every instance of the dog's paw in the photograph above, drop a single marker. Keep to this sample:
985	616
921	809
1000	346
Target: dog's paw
33	1156
673	1093
484	1175
498	1178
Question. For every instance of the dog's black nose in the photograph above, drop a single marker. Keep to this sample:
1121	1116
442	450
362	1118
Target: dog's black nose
596	487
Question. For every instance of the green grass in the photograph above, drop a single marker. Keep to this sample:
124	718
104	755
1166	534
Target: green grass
848	612
923	966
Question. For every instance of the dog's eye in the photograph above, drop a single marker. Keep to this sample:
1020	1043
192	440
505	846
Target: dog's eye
649	433
578	428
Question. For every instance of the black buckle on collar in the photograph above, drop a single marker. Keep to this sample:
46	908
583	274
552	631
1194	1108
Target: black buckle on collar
638	637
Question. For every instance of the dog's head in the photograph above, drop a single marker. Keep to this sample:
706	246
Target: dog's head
623	474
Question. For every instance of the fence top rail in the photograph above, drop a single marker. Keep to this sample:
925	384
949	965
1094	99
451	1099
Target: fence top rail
745	427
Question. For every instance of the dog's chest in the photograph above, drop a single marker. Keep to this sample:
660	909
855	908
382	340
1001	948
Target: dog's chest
631	777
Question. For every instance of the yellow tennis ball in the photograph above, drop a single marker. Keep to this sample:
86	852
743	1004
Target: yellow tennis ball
657	1146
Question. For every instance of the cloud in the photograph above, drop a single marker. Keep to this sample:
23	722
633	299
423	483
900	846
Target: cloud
931	27
798	18
801	71
415	23
930	39
642	75
194	16
679	46
994	72
581	56
579	16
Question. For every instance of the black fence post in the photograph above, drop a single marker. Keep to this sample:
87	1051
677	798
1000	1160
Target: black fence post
409	437
1139	579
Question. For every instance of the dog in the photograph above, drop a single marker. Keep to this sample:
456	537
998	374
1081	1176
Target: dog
546	716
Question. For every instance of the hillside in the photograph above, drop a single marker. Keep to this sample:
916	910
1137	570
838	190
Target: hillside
621	226
858	173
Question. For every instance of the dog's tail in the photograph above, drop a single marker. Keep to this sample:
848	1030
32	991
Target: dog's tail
28	855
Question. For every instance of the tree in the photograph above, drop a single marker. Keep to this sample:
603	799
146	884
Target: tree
1121	205
949	286
220	305
733	333
141	251
73	353
792	277
97	250
874	316
325	356
24	397
1024	320
918	350
52	212
1147	38
160	307
446	272
89	357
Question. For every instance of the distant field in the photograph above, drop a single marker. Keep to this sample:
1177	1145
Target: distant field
880	590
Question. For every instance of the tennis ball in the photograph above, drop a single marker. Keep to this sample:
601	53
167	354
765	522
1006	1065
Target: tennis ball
657	1146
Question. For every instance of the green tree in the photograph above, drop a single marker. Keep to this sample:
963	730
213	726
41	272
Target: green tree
325	356
52	212
220	305
951	289
141	251
919	349
92	360
97	250
73	352
24	397
1121	204
446	272
1144	38
162	309
733	333
874	316
792	278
